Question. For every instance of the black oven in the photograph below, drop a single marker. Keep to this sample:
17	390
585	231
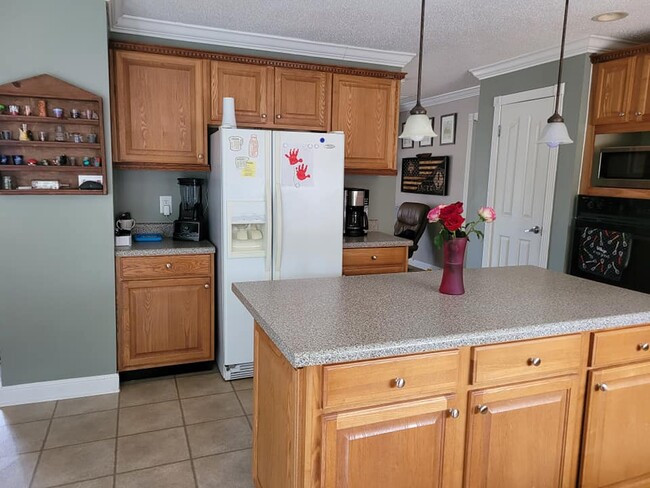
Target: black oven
611	241
623	167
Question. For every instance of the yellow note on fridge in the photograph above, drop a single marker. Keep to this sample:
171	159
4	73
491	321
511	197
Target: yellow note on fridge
249	170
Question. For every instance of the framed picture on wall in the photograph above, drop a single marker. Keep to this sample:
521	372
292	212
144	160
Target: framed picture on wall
428	141
426	175
448	129
406	143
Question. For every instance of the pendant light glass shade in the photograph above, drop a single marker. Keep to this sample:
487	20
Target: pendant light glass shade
554	134
417	127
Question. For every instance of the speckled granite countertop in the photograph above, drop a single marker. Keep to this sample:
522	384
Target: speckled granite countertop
375	239
335	320
165	247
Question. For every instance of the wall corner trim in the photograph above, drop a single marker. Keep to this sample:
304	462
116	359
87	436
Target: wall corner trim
45	391
473	91
129	24
586	45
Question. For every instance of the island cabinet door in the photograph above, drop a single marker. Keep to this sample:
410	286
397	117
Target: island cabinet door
405	445
521	435
165	322
616	449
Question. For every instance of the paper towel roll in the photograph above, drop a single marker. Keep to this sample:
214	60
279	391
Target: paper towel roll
228	114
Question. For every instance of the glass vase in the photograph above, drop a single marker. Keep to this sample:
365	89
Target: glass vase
452	272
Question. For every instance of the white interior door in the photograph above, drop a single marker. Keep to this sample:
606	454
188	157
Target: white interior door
521	183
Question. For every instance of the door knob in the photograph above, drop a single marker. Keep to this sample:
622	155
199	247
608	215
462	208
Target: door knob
534	230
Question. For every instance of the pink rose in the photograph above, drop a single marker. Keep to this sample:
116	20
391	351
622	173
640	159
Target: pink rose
487	214
434	214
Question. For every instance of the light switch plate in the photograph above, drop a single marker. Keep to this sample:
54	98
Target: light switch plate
166	200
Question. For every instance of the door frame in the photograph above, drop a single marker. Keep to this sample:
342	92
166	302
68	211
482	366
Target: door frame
499	102
472	119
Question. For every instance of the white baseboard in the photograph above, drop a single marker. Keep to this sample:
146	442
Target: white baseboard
421	264
45	391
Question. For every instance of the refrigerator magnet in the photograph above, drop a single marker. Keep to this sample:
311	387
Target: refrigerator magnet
250	169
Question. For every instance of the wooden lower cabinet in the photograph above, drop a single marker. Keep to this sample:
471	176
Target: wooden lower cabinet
616	446
403	445
520	435
163	322
375	260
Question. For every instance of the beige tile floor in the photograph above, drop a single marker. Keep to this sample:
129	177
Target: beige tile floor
183	431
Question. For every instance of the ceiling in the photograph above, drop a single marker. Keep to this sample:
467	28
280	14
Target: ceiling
459	34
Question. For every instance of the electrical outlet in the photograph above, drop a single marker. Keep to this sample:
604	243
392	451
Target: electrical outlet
166	205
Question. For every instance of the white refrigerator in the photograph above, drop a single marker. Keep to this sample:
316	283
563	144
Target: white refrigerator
275	212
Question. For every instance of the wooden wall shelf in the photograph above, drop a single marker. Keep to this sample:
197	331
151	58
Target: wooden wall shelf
55	93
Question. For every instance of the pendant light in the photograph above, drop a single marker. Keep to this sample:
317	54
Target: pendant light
418	125
555	131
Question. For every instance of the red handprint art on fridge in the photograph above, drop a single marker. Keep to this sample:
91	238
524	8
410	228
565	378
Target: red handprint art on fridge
301	172
293	157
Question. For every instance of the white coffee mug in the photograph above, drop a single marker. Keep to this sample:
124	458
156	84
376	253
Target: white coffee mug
125	224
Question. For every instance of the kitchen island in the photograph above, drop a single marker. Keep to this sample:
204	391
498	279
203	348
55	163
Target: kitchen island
382	381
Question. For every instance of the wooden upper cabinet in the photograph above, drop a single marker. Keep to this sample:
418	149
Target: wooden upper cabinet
403	445
250	85
158	111
303	99
641	96
612	91
367	110
522	435
617	429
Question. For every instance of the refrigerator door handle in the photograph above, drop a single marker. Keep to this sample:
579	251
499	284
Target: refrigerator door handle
277	231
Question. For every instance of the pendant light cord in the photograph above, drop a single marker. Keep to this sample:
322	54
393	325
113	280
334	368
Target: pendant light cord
559	71
420	56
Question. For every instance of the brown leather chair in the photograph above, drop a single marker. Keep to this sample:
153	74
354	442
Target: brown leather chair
411	222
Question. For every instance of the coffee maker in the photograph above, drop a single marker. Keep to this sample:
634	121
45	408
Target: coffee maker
191	224
355	214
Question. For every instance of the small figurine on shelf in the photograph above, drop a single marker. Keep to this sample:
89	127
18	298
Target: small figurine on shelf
41	105
75	114
32	162
43	162
59	134
24	134
97	161
27	110
14	110
2	108
86	161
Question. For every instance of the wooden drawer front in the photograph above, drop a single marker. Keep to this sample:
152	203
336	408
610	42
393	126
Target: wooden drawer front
620	346
517	360
165	266
375	382
374	257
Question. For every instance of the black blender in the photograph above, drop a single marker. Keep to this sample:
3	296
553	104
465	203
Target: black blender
191	224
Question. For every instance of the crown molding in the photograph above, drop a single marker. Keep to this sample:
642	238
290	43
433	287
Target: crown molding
472	91
589	44
129	24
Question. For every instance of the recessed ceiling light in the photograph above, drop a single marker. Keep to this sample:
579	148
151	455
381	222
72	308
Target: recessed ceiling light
610	16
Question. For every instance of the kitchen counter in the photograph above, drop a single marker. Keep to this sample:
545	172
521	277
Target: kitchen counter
375	239
165	247
333	320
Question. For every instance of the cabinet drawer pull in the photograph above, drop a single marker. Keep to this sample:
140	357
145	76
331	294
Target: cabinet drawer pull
206	285
374	258
638	114
263	116
278	116
602	387
644	347
621	114
534	361
200	156
399	382
454	413
168	266
482	409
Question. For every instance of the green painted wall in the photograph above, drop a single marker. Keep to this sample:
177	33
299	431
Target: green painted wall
57	296
576	77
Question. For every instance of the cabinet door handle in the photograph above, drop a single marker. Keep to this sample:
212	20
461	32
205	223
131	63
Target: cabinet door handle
168	266
638	114
399	382
482	409
206	285
621	114
602	387
374	258
278	116
643	347
454	413
200	156
263	116
534	361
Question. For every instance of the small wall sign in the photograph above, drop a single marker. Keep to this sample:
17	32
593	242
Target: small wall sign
426	175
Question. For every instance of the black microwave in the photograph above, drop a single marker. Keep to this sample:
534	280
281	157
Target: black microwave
623	167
